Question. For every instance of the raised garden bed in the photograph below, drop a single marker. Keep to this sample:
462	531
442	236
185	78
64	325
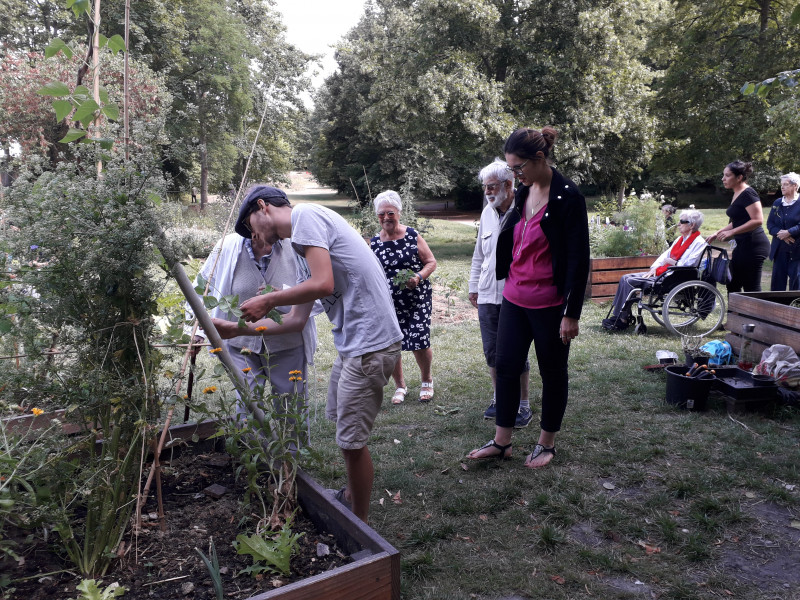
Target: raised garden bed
373	572
604	274
776	322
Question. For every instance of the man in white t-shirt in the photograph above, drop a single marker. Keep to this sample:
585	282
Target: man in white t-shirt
347	278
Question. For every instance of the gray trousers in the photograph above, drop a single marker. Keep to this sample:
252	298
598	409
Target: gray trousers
273	368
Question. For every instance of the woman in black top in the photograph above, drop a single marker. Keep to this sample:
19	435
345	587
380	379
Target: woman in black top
751	246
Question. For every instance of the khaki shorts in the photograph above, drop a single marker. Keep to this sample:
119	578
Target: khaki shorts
355	394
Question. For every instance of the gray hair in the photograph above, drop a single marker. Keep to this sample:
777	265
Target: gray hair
695	217
388	197
496	169
792	178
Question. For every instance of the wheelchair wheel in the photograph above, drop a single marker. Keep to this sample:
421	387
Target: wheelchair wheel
693	308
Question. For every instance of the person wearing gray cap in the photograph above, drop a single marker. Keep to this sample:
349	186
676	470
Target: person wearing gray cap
349	280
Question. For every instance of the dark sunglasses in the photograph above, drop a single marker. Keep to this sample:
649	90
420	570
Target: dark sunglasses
682	222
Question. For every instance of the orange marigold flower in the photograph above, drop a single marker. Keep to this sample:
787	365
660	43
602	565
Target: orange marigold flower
295	372
215	350
210	389
37	411
246	370
261	328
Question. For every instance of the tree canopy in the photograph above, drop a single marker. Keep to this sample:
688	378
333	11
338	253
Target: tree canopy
427	90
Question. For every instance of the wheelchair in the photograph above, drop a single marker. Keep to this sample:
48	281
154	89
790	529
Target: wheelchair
685	300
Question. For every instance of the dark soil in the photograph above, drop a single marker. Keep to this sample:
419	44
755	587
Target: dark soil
165	564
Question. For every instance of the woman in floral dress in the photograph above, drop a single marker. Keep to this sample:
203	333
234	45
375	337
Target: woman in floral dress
408	263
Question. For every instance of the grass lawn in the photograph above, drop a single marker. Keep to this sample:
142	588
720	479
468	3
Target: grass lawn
642	501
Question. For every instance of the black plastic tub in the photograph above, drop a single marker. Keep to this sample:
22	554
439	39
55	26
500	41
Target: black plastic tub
690	393
743	385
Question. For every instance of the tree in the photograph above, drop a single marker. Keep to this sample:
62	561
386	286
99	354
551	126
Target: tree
718	44
428	90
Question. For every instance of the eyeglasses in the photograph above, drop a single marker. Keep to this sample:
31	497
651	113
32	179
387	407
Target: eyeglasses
682	222
246	220
491	187
517	169
388	213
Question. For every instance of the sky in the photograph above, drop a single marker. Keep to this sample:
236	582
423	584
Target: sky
313	25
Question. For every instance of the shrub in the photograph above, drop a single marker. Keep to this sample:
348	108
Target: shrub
636	230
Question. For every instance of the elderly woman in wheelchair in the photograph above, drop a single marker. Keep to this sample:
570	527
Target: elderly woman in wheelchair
685	251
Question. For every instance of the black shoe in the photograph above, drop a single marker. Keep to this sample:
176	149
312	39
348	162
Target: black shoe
615	324
491	412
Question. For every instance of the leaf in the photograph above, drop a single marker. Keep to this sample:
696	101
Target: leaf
116	43
609	486
5	326
79	6
54	88
90	591
56	46
111	111
748	88
62	108
102	40
794	19
103	93
85	112
276	553
82	92
396	498
72	135
558	579
210	301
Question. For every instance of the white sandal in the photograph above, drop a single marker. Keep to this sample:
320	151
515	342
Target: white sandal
426	391
399	395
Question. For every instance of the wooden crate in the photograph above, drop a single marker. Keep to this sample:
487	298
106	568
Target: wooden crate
604	274
776	322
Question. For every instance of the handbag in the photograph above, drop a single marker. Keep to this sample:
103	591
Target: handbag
720	269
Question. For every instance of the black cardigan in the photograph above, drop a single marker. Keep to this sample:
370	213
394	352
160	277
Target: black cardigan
566	226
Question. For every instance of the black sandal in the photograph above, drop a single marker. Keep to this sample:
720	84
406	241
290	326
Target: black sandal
538	450
492	444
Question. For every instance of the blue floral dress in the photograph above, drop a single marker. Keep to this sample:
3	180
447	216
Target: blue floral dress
413	307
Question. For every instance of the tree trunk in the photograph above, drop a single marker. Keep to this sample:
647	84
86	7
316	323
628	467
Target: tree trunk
620	196
96	76
203	168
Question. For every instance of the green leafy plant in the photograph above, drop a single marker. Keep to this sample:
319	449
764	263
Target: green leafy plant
90	590
269	554
212	564
401	278
636	230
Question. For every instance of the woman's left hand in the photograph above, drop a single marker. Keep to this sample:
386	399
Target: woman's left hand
568	330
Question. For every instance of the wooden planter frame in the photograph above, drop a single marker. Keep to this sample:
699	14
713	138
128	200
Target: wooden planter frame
374	573
604	274
776	322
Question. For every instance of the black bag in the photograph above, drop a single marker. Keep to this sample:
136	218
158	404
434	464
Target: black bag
720	269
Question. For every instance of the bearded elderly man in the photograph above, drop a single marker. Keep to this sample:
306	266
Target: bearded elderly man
485	291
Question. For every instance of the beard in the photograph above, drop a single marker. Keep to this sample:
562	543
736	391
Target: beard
496	200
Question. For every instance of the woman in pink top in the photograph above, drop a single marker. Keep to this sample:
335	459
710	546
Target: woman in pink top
543	250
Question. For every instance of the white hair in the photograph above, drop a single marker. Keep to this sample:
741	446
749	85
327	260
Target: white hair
792	178
496	169
389	197
695	217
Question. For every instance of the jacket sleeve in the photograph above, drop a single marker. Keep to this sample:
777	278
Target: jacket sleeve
773	225
578	256
477	261
205	271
